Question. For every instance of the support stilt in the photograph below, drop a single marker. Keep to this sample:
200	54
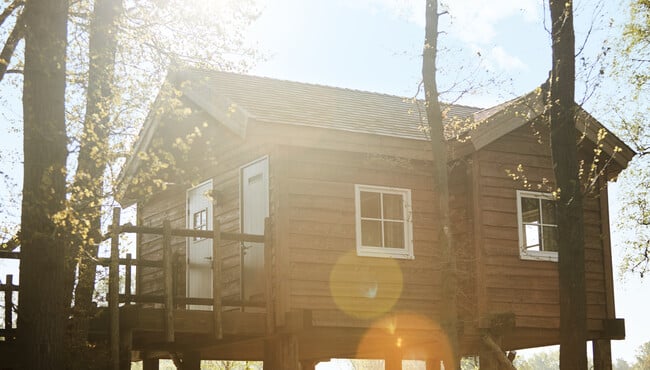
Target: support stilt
192	360
150	364
433	364
393	361
282	353
602	354
126	342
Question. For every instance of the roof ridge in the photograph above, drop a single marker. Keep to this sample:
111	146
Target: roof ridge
330	87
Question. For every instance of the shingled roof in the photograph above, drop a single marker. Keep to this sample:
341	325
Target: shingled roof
235	100
287	102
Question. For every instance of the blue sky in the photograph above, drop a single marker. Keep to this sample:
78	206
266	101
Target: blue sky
376	45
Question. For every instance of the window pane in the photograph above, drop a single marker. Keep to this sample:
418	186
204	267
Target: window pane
548	212
200	220
371	233
370	205
393	234
531	235
550	238
530	210
393	207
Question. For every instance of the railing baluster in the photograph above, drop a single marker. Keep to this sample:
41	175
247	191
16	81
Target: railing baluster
9	292
127	278
169	294
216	280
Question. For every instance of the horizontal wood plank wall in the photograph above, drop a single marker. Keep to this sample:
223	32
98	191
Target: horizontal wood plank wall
218	155
321	238
529	289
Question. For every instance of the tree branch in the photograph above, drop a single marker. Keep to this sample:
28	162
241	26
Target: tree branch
14	38
9	10
12	243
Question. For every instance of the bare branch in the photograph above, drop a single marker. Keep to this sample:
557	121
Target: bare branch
10	46
9	10
597	10
12	243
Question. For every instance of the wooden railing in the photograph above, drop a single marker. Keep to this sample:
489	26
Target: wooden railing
8	332
169	297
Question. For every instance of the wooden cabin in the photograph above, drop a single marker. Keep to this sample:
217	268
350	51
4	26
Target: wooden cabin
353	267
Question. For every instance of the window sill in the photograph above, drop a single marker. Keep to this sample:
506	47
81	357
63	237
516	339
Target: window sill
385	253
539	256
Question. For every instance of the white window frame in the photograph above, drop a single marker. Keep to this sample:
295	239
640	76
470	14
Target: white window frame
524	253
374	251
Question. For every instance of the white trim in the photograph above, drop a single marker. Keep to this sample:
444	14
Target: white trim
373	251
524	253
188	240
241	186
264	158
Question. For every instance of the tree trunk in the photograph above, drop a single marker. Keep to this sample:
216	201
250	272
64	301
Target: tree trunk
573	321
440	183
41	315
87	192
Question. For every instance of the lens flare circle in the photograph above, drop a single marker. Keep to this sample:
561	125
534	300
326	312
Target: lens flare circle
407	335
365	288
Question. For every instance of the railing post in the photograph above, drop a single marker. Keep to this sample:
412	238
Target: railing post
9	292
176	258
268	272
127	279
167	271
216	279
114	290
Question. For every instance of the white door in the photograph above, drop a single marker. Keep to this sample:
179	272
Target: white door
199	250
255	209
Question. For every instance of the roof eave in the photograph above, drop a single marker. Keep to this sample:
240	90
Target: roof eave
525	109
132	165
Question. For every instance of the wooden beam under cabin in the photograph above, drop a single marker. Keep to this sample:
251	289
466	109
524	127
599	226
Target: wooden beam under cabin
194	321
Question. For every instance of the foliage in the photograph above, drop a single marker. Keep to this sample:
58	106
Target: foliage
469	363
621	364
637	43
550	360
147	36
632	68
634	218
208	365
539	361
642	357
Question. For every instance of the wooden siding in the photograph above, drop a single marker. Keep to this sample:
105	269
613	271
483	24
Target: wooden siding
321	238
529	289
315	267
216	155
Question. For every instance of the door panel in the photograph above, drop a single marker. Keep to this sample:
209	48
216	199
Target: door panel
255	209
199	250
